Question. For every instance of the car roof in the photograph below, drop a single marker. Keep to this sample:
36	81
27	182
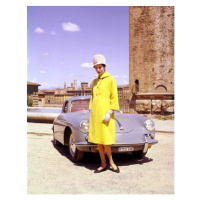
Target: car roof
78	98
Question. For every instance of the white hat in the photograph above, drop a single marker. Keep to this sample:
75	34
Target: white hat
99	59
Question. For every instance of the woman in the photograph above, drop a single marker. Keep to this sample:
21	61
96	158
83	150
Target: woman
103	102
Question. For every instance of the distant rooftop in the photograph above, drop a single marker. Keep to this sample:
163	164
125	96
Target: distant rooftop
31	83
123	86
48	91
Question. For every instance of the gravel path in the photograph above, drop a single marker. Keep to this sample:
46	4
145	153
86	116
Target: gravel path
49	170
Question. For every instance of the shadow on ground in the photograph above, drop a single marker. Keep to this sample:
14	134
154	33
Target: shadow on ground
92	160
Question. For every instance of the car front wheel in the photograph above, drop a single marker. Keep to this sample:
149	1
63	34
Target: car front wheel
74	153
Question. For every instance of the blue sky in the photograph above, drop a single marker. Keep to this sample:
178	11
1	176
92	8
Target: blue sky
61	41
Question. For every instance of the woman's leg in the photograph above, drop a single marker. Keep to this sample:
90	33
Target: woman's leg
109	154
102	156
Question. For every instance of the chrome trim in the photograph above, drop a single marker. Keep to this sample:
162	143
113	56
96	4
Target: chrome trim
113	145
146	144
86	137
72	145
121	128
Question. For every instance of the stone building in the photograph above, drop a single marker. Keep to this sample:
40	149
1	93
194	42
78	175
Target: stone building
123	97
82	91
49	97
32	88
32	92
151	59
41	98
56	98
84	85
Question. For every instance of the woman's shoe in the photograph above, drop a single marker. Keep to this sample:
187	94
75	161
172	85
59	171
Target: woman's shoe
116	170
102	170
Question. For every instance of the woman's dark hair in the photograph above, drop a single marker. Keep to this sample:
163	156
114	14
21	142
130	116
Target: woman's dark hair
103	65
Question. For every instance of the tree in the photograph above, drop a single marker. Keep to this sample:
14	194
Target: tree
29	102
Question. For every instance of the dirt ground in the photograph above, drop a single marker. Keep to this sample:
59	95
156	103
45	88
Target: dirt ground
49	170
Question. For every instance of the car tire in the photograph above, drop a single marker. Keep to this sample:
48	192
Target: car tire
56	143
138	154
74	153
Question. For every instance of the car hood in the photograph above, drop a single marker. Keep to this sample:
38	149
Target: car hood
123	123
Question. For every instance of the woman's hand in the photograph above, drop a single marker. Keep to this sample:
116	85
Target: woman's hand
107	116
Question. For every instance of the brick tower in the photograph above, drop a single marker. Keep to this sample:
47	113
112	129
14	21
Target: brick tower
151	59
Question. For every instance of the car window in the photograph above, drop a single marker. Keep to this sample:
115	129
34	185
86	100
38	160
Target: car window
82	104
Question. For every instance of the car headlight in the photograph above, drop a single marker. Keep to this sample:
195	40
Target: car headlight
149	125
84	126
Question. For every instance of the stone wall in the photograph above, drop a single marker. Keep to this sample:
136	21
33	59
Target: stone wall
164	107
151	56
151	38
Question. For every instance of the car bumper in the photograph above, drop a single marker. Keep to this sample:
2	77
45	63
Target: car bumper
90	147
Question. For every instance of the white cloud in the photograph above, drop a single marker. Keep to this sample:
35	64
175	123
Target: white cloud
53	33
125	76
116	76
87	65
42	72
126	82
39	30
70	27
33	80
45	54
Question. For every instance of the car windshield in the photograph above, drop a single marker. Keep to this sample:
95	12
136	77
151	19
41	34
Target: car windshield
81	104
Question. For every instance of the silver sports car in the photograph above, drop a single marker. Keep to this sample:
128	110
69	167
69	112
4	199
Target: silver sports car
134	133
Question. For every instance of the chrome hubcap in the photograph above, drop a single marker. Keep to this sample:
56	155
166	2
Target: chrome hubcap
72	145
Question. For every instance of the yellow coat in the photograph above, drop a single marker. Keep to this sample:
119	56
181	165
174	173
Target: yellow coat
104	97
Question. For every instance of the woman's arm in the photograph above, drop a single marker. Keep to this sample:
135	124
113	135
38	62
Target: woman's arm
91	98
